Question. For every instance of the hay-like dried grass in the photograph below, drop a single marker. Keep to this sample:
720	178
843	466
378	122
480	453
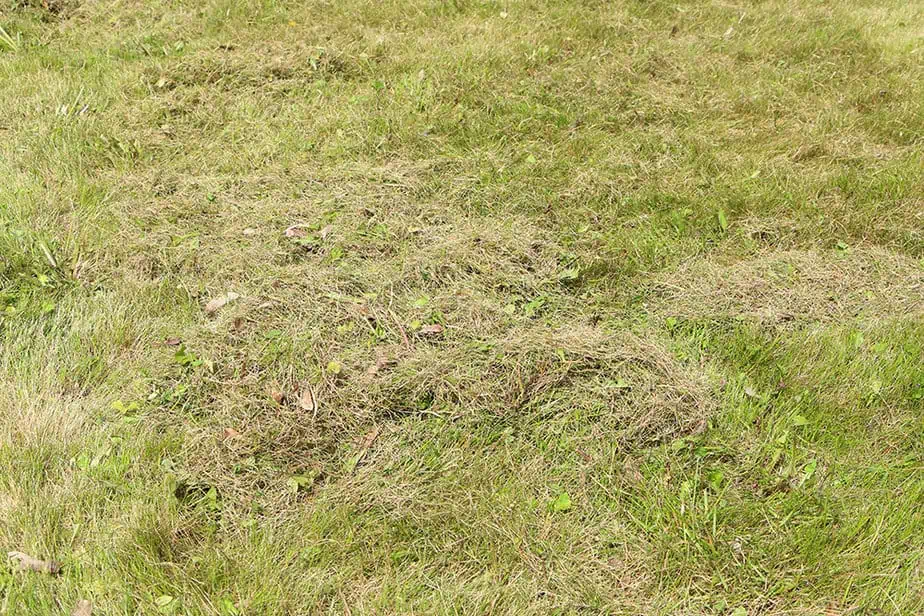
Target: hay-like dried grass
637	393
795	286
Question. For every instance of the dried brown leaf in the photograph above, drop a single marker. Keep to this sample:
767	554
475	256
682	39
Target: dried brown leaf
83	608
380	364
231	433
432	330
369	438
307	400
173	341
274	390
30	563
219	302
296	231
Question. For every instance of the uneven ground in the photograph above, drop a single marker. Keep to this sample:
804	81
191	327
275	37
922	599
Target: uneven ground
595	307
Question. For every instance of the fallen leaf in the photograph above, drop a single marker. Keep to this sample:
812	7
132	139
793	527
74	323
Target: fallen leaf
237	324
326	231
296	231
750	392
231	433
173	341
30	563
370	437
163	601
723	220
307	400
219	302
334	367
380	364
250	231
297	483
275	392
83	608
562	502
430	330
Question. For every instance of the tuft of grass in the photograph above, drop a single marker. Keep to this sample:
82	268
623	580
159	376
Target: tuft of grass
539	308
8	42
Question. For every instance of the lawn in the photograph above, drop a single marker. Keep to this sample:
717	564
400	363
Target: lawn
462	306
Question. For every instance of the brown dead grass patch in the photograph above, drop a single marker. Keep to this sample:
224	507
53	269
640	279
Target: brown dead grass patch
636	392
634	385
795	285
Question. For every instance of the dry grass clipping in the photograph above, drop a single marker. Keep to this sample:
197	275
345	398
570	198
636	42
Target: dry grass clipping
776	287
631	384
636	393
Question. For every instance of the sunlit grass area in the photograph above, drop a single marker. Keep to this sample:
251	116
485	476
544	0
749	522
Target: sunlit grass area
462	307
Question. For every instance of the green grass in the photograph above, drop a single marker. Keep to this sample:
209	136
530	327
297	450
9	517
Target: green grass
675	251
